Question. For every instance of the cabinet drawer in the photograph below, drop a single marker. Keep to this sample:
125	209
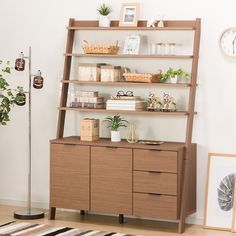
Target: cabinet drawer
154	182
153	160
150	205
69	176
111	180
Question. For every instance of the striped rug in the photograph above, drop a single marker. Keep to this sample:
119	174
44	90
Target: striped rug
29	229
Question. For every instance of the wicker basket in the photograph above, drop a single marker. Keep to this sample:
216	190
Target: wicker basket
142	78
100	49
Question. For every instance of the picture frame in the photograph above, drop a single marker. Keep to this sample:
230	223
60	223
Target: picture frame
132	44
129	14
219	196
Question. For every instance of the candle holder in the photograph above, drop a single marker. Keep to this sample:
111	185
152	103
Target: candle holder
29	213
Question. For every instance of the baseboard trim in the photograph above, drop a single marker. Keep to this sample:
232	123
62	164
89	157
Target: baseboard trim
190	220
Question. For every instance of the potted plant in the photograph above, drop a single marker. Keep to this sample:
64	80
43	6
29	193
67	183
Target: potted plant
20	96
7	98
115	122
104	11
173	75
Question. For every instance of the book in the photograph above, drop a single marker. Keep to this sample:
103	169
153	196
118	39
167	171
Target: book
125	108
86	93
90	99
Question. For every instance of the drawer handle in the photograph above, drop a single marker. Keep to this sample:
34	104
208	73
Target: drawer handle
69	144
154	172
155	194
111	147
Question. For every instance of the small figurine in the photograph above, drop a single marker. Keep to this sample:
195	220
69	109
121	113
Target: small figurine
154	102
161	22
152	23
169	103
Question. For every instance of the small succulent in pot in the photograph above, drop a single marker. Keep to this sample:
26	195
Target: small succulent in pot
104	11
174	75
20	99
115	122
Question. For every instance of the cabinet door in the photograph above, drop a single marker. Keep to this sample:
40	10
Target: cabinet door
111	180
69	176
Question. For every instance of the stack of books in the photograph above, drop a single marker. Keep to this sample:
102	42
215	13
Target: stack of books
126	105
88	99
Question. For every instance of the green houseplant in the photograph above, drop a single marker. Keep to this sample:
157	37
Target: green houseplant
104	11
115	122
174	75
7	97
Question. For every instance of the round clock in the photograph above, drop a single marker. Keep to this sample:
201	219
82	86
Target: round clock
228	42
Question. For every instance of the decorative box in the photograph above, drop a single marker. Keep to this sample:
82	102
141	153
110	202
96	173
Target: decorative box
89	129
110	73
89	71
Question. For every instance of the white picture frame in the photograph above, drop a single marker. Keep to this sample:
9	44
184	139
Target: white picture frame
129	14
132	44
218	212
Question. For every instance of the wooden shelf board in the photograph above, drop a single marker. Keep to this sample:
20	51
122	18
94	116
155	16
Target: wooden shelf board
142	25
178	85
177	113
129	56
131	28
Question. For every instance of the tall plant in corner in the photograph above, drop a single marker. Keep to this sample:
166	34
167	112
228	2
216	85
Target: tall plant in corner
7	97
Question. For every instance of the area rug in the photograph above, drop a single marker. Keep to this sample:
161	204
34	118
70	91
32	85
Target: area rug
29	229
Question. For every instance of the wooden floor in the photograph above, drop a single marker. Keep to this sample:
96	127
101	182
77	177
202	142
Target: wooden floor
108	223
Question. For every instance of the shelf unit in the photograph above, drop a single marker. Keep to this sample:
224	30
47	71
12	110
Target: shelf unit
187	164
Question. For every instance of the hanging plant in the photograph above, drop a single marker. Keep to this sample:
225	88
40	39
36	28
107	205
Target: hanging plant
7	98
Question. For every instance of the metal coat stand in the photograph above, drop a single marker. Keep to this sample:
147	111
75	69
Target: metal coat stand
29	213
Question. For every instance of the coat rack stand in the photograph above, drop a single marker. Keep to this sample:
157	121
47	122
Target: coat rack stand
29	213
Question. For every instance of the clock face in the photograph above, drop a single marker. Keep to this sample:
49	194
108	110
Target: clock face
228	42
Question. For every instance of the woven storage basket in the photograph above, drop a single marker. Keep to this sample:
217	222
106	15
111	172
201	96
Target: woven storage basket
142	78
100	49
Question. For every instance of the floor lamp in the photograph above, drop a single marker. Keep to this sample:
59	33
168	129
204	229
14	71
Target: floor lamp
29	214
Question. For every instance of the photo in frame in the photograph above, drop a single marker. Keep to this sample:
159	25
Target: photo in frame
219	199
129	14
132	44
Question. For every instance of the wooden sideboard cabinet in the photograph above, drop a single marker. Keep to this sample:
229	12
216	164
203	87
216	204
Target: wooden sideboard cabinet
120	178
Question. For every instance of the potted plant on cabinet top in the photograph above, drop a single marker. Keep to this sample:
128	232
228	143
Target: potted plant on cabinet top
174	75
104	11
115	122
7	98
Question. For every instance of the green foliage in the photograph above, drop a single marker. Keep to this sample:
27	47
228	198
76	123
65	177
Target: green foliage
104	9
7	98
172	73
115	122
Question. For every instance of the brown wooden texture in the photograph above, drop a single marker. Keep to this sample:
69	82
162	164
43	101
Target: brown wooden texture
189	129
178	85
111	180
149	113
69	176
66	76
149	205
151	160
142	25
154	182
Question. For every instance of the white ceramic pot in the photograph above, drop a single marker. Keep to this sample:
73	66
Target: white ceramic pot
104	21
174	79
115	136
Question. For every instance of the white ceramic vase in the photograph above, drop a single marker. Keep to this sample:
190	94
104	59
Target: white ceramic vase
174	79
115	136
104	21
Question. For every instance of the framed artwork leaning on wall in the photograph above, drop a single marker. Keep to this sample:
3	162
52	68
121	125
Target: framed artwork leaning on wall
129	14
220	184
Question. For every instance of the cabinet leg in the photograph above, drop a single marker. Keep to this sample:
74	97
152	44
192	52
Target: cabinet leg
82	212
52	213
121	218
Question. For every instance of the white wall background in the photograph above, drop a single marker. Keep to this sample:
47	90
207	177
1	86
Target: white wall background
41	24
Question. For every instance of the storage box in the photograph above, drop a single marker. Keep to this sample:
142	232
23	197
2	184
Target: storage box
110	73
89	130
89	71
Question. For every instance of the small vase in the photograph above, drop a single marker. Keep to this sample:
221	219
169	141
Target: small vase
115	136
174	79
104	21
132	135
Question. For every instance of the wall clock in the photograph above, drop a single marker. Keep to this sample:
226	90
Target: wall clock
228	42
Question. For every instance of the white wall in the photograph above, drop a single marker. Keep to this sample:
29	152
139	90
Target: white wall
41	24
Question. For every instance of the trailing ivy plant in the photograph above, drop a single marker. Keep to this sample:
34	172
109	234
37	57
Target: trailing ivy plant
7	97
